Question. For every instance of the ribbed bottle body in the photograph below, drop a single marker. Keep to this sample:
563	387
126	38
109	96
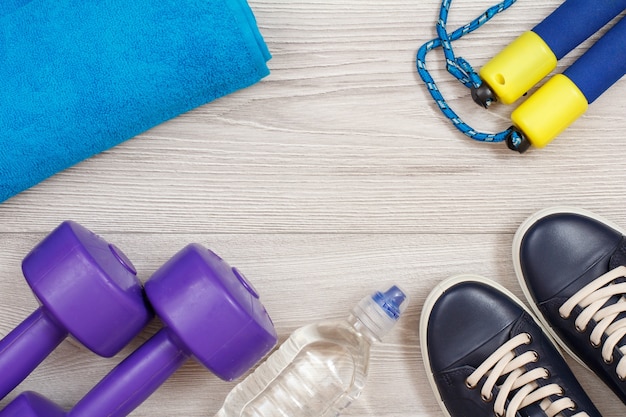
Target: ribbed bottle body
317	372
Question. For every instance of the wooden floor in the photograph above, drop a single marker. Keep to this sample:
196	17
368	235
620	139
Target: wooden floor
333	177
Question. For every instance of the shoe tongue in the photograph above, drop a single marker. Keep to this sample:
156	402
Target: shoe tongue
618	259
619	256
532	410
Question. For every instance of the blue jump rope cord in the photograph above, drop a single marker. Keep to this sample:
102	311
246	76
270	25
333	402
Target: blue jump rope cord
461	70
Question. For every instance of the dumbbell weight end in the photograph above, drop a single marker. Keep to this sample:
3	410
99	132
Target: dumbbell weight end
31	404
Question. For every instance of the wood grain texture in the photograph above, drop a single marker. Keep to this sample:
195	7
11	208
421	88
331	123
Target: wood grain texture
333	177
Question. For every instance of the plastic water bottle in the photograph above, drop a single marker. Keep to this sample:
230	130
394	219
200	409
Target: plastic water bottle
321	368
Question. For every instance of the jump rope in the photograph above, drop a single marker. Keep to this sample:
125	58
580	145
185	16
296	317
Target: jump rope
527	61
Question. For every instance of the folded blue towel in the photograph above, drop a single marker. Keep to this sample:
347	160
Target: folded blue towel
80	76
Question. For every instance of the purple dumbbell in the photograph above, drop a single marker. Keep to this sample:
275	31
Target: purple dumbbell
87	288
209	312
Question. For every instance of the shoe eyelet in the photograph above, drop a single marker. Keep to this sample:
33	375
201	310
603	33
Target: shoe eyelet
530	338
486	399
594	345
608	361
574	407
468	385
536	359
548	375
579	330
497	414
621	378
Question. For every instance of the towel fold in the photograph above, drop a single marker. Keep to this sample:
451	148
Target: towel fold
80	76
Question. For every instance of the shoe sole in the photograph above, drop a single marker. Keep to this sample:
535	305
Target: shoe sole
429	303
517	242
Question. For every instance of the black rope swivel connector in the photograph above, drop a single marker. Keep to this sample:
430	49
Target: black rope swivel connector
483	95
516	140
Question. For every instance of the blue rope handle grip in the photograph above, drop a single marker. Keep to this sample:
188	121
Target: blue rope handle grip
462	71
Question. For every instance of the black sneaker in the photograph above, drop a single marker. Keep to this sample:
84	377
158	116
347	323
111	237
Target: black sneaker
485	355
571	265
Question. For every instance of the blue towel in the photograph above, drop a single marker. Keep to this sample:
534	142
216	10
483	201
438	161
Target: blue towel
80	76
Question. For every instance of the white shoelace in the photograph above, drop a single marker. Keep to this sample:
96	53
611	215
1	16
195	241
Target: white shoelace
592	298
505	361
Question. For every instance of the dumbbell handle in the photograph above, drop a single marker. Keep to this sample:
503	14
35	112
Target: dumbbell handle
134	379
26	347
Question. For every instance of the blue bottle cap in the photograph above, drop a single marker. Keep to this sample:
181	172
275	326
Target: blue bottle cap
391	301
